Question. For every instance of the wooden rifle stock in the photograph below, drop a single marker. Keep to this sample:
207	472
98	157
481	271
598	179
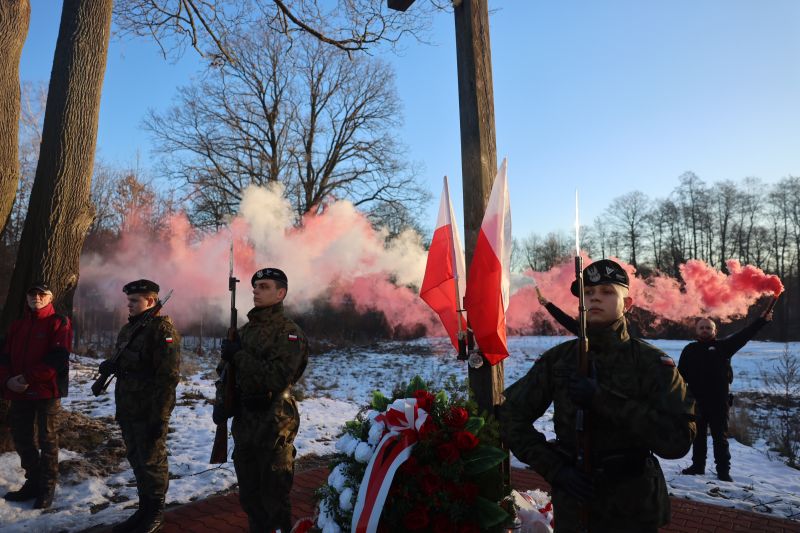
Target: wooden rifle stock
227	378
219	451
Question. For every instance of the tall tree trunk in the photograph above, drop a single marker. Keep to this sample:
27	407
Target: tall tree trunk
60	210
15	16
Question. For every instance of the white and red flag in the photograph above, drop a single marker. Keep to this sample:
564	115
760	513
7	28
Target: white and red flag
444	281
488	283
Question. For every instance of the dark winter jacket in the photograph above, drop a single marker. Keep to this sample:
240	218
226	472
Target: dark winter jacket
643	407
705	365
37	346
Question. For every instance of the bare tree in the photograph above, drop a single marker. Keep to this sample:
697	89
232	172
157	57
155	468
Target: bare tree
747	221
544	253
60	212
14	19
726	201
783	382
206	25
304	115
627	213
601	233
692	197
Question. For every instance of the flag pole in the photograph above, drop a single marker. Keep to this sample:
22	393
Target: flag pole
462	334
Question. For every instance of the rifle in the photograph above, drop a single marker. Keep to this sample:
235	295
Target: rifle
104	378
582	434
226	384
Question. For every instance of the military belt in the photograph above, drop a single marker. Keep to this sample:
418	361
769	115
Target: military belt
620	464
134	374
259	402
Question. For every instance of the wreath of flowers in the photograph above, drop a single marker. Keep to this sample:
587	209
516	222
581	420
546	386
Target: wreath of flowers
450	482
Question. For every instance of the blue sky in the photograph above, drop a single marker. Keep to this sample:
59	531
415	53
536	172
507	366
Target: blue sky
606	97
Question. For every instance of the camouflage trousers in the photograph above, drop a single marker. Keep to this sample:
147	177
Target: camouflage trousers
146	450
636	504
23	416
265	481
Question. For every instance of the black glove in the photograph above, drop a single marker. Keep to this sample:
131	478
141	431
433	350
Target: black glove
582	390
575	483
228	348
218	415
108	367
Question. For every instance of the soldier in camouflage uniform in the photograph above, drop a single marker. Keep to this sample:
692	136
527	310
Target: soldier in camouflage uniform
147	375
269	356
636	403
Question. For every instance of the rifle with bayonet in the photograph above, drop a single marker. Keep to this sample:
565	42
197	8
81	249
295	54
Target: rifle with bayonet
104	377
581	423
226	384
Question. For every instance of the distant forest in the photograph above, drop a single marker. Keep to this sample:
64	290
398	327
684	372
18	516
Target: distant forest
748	220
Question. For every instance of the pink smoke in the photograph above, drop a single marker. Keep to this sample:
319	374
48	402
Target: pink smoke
706	291
337	248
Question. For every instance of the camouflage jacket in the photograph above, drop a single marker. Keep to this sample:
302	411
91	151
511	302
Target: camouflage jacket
643	405
149	370
273	357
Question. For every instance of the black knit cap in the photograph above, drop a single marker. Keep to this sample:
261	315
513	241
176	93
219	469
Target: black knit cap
602	272
269	273
141	286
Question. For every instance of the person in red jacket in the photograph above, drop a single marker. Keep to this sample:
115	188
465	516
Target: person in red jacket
34	371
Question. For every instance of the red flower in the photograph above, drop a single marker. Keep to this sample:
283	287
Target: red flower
443	524
417	519
448	452
468	492
430	483
428	429
303	525
410	466
457	417
424	400
465	440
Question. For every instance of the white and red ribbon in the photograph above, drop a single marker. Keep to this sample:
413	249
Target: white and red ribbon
403	419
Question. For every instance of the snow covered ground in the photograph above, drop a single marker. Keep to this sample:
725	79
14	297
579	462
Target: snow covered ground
335	387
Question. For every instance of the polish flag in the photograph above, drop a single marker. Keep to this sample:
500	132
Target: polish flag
488	283
443	284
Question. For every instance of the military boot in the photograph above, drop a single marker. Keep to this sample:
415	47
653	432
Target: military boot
153	517
45	497
724	475
29	491
130	523
693	470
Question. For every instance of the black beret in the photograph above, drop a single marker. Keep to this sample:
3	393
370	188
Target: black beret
141	286
269	273
40	286
602	272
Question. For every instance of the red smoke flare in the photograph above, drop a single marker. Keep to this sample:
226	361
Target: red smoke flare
706	291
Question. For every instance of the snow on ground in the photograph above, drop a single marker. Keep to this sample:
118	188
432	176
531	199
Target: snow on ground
336	385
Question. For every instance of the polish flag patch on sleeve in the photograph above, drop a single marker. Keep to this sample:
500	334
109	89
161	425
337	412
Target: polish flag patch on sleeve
168	340
292	338
667	360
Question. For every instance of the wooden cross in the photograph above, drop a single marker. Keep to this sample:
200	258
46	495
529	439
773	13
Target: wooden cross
478	150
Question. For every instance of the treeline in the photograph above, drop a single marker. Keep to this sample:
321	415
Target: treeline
748	220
